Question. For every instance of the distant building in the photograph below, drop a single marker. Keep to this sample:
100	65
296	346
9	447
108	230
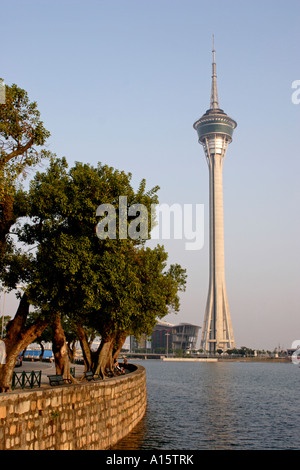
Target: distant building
184	336
162	336
167	337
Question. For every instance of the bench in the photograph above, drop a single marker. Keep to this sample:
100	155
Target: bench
90	376
58	380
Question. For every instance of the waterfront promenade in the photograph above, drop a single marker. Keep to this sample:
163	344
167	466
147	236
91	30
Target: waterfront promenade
82	416
47	368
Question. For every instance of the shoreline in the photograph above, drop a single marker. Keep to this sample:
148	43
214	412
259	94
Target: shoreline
217	359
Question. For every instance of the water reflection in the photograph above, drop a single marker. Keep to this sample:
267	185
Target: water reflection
217	406
217	412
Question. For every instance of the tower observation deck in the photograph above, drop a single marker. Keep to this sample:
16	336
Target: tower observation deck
215	131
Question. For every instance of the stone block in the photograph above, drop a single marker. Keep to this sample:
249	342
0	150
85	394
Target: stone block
22	407
2	412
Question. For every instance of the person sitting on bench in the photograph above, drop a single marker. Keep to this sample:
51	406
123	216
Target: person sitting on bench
119	369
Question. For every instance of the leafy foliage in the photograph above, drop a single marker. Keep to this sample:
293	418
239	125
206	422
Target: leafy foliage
76	282
22	137
21	133
111	285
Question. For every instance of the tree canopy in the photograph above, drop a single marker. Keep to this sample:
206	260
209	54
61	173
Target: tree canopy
75	281
22	146
115	287
21	134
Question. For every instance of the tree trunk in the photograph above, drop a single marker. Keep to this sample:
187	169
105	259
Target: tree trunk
23	353
60	350
6	221
72	350
6	371
104	356
42	351
118	344
18	338
86	351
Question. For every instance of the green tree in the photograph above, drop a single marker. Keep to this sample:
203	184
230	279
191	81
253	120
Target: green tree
115	287
138	289
22	329
68	277
22	138
19	334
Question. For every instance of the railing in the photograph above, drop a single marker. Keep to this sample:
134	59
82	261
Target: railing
26	379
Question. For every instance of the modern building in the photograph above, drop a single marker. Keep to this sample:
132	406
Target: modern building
162	337
215	131
167	337
184	336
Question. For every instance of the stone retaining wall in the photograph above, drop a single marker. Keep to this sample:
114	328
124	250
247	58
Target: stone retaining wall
92	416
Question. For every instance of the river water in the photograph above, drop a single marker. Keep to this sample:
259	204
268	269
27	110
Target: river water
218	406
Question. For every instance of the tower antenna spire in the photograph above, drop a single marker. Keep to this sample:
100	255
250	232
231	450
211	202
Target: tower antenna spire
214	100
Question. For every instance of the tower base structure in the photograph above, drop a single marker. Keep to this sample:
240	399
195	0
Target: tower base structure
217	330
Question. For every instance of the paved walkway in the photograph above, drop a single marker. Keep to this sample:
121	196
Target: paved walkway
47	368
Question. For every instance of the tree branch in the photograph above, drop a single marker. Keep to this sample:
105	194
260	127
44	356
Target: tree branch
21	149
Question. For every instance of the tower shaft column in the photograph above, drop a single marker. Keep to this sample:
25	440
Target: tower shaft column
219	333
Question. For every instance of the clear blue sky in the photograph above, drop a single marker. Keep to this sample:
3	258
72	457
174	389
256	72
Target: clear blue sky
123	81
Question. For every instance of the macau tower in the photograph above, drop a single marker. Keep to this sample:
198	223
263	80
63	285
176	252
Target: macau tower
215	131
